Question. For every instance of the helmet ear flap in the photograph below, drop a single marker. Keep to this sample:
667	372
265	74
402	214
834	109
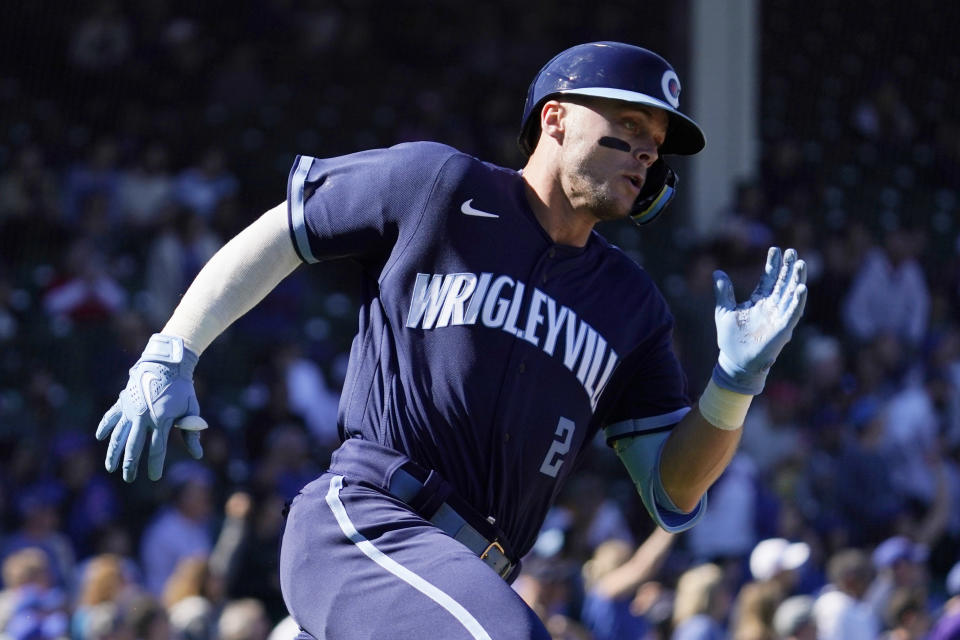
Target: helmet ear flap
658	190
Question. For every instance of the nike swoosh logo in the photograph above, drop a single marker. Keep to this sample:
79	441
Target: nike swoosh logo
470	211
145	381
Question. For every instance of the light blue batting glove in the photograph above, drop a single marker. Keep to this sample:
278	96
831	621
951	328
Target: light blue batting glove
751	334
159	395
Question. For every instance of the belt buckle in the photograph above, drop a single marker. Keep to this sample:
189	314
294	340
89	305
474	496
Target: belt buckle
495	563
491	546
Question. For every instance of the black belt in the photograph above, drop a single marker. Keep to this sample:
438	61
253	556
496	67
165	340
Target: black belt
429	495
488	546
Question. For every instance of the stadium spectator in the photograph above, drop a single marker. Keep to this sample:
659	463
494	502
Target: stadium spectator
309	395
613	604
190	597
907	616
146	190
885	117
85	292
793	619
690	298
38	506
584	517
286	629
754	609
182	247
701	605
203	187
784	172
148	620
285	465
106	621
243	620
8	314
29	188
90	500
840	611
889	293
250	570
103	40
229	552
771	433
779	561
25	567
97	176
947	626
548	585
104	584
865	489
181	529
728	533
746	222
900	566
31	606
825	375
912	433
838	267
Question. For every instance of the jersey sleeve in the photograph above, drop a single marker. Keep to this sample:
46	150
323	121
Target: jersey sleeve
360	205
649	387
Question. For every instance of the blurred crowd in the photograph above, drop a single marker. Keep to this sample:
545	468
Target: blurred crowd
137	137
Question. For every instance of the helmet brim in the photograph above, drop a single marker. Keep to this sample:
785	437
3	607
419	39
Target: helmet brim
684	136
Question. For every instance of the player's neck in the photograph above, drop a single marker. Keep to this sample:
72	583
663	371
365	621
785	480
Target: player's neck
564	224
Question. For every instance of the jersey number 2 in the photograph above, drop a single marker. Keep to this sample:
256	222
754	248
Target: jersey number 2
558	448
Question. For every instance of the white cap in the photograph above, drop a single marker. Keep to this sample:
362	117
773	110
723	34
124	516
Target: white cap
792	615
774	555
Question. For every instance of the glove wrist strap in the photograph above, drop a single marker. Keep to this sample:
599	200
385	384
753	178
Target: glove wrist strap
170	350
723	408
733	378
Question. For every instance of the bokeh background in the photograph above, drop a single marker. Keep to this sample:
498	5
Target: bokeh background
137	136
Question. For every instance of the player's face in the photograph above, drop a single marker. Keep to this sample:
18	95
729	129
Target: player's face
598	177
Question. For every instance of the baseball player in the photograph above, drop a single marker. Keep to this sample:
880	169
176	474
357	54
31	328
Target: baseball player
498	334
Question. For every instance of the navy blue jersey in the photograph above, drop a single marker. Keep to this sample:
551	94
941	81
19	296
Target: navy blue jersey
485	351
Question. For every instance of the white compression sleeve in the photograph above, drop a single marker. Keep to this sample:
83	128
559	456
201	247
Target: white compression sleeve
235	279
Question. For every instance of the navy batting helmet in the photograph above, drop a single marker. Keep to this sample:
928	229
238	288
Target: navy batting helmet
612	70
623	72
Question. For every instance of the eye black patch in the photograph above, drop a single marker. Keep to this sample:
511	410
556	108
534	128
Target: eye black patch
614	143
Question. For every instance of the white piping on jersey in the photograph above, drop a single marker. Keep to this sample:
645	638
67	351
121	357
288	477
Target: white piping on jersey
441	300
639	426
454	608
298	221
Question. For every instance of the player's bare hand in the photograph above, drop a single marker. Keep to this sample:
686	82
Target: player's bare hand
752	334
238	505
159	396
